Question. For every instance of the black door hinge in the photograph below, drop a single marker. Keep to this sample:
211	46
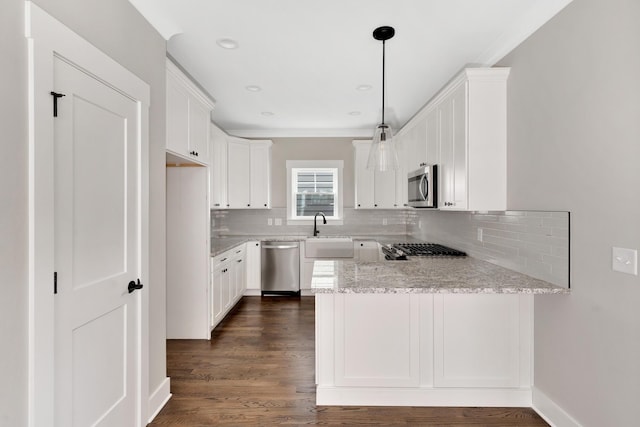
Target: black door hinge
55	282
55	102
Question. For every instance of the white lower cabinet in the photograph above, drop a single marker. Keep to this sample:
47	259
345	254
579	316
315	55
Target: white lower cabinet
366	250
254	283
477	341
385	353
228	282
424	349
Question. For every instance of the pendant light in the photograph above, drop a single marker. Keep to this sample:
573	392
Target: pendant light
383	156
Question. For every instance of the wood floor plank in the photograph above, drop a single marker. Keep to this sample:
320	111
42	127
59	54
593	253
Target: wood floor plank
258	370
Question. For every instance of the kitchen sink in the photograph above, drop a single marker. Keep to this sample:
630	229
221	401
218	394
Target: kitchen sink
328	247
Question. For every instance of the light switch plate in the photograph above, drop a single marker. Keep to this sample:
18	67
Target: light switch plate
624	260
278	221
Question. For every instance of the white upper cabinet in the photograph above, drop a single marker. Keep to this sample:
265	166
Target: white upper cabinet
218	169
463	130
375	190
188	117
239	173
260	155
248	171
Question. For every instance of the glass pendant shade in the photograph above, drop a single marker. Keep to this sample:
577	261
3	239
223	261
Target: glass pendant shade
382	155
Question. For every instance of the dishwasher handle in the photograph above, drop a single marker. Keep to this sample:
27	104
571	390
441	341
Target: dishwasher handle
280	246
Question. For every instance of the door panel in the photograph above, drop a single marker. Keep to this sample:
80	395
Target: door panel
97	251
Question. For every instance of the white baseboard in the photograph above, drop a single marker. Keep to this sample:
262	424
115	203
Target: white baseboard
252	292
379	396
159	398
551	412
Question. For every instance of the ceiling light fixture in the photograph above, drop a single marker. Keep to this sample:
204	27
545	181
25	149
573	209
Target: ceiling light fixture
267	113
364	88
382	156
227	43
253	88
354	113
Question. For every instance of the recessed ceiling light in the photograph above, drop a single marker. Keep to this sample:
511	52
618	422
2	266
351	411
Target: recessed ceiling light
267	113
364	87
253	88
227	43
354	113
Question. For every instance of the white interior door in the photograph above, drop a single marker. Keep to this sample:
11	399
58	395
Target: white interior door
97	252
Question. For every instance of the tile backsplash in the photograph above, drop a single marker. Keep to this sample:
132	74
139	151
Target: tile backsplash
356	222
530	242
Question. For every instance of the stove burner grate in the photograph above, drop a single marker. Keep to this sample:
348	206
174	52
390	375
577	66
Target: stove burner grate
428	250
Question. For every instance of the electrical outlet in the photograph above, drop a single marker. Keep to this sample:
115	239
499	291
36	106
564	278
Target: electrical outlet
625	260
269	221
278	221
479	234
384	221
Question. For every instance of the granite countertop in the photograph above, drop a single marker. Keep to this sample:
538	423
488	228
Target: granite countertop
425	275
224	243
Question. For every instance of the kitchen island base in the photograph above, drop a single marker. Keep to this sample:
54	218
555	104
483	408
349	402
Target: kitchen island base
419	349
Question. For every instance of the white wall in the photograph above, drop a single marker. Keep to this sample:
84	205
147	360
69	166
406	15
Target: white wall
574	144
13	215
284	149
117	29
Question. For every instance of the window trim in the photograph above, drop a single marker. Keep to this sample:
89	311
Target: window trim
315	164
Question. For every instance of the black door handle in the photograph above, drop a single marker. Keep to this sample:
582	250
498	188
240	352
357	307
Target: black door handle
133	286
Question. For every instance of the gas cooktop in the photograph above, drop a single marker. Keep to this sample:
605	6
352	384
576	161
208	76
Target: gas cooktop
428	249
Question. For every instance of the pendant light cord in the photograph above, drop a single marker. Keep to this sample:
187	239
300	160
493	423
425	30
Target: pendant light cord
383	67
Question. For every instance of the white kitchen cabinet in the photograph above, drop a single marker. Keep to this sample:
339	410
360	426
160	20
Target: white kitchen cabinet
260	160
424	349
463	130
473	141
239	268
386	352
220	291
253	268
228	282
187	279
188	117
218	168
238	173
432	136
248	174
375	190
366	250
477	341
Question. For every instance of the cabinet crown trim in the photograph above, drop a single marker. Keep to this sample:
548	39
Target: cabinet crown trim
189	84
486	74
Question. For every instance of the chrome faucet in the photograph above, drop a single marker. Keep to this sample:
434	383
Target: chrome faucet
315	227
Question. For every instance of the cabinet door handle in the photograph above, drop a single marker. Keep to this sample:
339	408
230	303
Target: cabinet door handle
248	204
375	205
223	260
239	260
217	204
265	205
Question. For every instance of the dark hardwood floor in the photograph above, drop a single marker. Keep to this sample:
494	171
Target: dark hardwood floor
258	370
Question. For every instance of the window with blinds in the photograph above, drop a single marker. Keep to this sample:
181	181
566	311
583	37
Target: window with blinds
314	190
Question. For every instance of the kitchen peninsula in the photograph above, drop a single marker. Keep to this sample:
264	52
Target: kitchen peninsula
424	332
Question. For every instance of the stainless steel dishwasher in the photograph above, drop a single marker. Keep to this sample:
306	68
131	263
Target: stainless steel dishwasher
280	268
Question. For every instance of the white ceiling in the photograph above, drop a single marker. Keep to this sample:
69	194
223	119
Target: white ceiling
309	56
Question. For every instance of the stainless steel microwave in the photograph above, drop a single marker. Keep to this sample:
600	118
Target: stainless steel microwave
423	187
